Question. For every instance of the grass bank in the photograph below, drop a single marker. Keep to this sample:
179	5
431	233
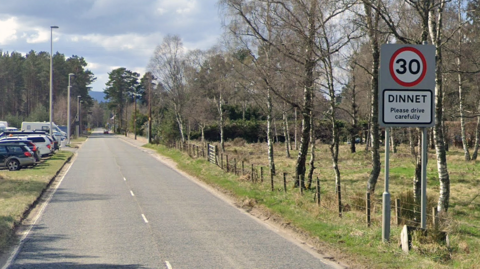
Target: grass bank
20	189
348	237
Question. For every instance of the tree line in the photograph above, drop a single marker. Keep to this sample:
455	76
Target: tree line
25	86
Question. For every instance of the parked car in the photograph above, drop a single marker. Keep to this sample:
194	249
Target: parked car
21	133
43	143
105	131
15	156
54	143
23	141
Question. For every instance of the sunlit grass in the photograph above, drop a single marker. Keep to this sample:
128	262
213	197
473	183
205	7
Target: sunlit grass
349	237
19	190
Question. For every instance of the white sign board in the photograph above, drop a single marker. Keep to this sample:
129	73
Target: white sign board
407	86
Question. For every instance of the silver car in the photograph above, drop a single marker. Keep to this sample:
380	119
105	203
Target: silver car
15	156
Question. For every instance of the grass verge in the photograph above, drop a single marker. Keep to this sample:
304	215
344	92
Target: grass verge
19	190
347	238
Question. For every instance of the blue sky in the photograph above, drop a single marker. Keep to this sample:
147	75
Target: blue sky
107	33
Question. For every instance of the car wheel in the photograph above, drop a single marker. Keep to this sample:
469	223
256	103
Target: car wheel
13	165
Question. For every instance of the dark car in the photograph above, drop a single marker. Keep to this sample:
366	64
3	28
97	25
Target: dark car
23	141
15	156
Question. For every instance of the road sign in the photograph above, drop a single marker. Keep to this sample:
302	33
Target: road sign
407	86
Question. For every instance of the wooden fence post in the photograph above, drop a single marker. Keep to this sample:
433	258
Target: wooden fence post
285	182
235	166
368	209
243	168
397	211
271	180
253	175
221	160
228	168
261	174
318	192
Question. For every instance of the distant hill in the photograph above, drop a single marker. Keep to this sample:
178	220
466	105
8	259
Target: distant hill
97	96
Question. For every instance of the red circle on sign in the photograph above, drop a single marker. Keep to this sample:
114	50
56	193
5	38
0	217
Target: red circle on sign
424	69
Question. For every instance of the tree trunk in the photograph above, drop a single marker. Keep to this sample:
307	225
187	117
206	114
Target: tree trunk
180	125
411	141
285	132
221	122
372	26
309	81
312	149
436	28
417	178
296	127
392	140
461	110
271	160
477	137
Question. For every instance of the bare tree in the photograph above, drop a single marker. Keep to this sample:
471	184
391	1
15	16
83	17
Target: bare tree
293	29
168	65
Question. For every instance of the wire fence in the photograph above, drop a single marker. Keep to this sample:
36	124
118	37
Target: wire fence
339	200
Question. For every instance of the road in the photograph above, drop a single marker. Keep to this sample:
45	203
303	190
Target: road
120	207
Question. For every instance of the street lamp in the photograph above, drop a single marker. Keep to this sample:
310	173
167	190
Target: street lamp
68	108
78	116
51	76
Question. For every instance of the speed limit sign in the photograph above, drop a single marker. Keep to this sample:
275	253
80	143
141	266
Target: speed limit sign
407	85
408	66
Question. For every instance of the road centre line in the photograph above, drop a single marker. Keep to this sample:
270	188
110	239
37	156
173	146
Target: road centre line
131	192
124	179
144	218
169	266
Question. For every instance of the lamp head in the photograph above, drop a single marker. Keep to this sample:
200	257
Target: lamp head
54	27
71	74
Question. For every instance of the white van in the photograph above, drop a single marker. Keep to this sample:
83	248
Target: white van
42	126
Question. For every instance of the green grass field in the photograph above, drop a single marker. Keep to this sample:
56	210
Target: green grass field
20	189
348	237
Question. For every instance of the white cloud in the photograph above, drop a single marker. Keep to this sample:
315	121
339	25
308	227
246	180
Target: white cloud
183	7
9	30
133	42
39	35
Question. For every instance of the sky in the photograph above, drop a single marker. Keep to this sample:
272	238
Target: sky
107	33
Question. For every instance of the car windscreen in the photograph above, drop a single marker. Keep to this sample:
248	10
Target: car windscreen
37	139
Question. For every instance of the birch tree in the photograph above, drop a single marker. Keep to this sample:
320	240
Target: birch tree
298	22
168	65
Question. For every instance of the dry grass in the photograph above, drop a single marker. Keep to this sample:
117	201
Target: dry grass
462	221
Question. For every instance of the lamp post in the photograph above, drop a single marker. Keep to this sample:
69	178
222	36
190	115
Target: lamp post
150	108
78	116
51	76
135	114
68	108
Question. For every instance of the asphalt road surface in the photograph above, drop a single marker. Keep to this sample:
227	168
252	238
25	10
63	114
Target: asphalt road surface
120	207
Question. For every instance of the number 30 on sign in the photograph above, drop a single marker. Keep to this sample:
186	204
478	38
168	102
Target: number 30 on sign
408	66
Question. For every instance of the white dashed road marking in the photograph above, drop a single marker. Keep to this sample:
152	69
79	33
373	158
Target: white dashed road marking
144	218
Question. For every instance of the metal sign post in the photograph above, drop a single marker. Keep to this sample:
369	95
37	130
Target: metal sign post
406	99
